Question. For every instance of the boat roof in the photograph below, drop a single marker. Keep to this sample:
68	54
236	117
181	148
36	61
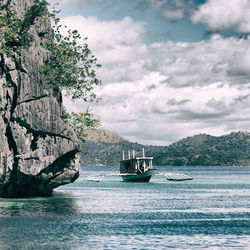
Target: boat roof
138	158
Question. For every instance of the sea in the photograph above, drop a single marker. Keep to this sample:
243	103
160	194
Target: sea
212	211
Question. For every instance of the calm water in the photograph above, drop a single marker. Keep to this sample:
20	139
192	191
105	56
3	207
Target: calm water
211	211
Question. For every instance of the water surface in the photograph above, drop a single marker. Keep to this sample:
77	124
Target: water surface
211	211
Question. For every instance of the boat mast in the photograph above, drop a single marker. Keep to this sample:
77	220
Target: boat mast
143	155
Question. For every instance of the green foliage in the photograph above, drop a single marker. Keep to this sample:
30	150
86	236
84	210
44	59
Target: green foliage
80	121
71	65
14	30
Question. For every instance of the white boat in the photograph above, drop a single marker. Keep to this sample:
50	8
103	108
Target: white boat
137	169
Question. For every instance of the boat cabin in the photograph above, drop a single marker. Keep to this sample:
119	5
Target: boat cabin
136	165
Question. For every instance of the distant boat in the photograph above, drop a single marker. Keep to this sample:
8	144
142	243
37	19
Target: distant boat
137	169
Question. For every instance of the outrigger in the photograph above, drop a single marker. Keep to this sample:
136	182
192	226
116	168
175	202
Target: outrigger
139	169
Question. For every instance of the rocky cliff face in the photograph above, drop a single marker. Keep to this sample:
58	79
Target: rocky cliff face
38	151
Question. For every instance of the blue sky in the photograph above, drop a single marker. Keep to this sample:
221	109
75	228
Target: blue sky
170	68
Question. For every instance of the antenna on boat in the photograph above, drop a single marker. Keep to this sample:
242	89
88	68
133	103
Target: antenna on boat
129	154
143	153
123	156
133	152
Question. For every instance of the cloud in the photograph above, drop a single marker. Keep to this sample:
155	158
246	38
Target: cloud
240	64
218	59
173	101
118	45
121	49
173	9
224	15
165	91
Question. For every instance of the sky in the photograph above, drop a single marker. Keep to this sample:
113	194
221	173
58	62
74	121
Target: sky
170	68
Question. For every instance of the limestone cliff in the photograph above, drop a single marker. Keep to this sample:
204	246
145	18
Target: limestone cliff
38	151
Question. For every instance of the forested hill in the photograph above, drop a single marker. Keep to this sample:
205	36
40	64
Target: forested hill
206	150
105	148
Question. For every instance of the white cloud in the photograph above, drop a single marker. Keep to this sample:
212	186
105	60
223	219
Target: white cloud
224	15
116	44
162	92
201	63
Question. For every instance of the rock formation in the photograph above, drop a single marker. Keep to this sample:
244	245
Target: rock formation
38	151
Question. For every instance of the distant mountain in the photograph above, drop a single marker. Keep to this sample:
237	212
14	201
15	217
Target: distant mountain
105	148
102	135
206	150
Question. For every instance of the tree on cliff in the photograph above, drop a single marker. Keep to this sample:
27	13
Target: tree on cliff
14	30
80	121
70	66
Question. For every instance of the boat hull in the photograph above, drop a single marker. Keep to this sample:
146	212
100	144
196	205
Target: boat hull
141	177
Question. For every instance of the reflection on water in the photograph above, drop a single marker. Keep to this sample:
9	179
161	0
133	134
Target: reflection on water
211	211
60	203
38	223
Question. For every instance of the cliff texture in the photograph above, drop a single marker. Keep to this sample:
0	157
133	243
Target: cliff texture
38	151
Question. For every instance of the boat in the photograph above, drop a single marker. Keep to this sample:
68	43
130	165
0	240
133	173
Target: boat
137	169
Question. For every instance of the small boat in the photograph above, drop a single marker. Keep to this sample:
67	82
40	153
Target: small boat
137	169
